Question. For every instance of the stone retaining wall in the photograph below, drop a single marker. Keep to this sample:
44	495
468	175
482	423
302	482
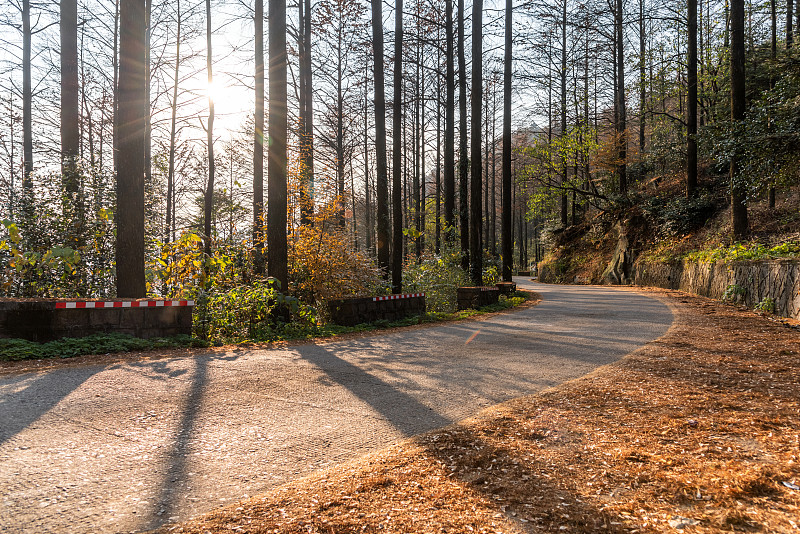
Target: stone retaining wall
757	280
46	320
350	312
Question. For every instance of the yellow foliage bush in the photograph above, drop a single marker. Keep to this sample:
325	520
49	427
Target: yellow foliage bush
323	264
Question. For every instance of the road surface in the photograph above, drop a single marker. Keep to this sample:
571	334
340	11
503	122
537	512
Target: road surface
129	446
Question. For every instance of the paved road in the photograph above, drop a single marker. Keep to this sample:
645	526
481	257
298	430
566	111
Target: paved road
129	446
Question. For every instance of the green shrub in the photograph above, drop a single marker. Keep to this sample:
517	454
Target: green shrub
734	293
766	305
745	252
678	215
254	312
438	277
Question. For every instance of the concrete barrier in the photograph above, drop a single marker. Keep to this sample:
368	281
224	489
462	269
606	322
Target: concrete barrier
506	288
46	320
353	311
477	296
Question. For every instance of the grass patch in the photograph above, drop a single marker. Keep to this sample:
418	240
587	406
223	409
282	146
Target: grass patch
667	251
22	349
744	252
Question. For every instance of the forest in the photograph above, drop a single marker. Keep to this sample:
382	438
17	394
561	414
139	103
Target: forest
238	156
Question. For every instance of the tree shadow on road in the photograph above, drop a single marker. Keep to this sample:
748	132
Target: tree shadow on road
402	410
32	396
174	484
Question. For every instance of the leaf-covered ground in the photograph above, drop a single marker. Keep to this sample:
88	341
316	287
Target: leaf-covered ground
698	431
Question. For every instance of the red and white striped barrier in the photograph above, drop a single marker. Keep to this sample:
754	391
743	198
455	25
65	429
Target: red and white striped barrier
122	304
399	296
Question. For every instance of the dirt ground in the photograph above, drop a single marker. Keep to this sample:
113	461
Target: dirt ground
695	432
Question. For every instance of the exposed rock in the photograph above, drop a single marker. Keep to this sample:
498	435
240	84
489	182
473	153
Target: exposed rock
619	270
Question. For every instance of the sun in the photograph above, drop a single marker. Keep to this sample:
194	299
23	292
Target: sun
217	91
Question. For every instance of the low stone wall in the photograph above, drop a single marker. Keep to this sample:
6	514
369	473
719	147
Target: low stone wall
350	312
523	273
476	297
757	280
46	320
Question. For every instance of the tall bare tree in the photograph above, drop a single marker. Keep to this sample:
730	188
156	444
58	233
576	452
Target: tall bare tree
563	76
306	118
737	70
463	157
258	140
278	125
27	108
130	175
208	203
381	174
449	129
622	133
505	227
476	219
397	153
691	103
70	121
170	215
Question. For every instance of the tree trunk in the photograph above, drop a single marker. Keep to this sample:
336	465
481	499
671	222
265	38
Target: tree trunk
381	178
738	190
367	206
12	156
691	104
563	75
340	132
789	17
115	105
621	111
476	219
70	135
507	248
397	153
415	188
27	112
306	115
258	142
486	212
773	54
449	130
422	191
276	166
173	128
493	195
130	175
642	79
208	201
463	157
438	148
148	127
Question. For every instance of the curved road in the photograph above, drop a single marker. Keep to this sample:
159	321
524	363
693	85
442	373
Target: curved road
129	446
